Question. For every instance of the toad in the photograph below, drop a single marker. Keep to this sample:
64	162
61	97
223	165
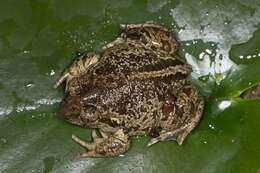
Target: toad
136	85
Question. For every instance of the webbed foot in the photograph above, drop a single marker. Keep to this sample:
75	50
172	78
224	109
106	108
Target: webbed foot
106	146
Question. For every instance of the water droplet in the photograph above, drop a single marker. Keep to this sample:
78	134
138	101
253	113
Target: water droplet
259	54
181	30
204	78
187	44
52	73
227	21
29	85
241	57
194	42
201	56
205	142
21	108
254	56
3	140
208	51
207	13
211	127
47	101
202	27
26	51
224	104
248	57
171	11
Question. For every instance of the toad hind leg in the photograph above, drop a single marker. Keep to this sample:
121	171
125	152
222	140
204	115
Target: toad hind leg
179	134
78	67
105	146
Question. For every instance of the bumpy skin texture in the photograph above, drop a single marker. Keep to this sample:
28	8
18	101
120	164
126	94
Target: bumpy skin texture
137	85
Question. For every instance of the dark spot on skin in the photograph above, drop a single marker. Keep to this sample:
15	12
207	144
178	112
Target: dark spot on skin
136	128
155	132
170	100
167	108
109	122
192	108
122	108
133	34
187	90
180	76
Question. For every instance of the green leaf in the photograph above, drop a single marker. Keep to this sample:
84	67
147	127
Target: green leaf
38	39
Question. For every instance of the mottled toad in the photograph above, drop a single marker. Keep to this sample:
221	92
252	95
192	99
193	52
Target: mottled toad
135	86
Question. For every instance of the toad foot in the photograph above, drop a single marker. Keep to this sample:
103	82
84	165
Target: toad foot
105	146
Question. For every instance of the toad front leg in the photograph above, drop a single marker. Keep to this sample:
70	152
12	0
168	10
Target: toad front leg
78	67
105	146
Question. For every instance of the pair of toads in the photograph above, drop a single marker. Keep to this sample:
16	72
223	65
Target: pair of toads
136	85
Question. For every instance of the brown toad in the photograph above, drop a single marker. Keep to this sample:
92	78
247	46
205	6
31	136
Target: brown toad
136	86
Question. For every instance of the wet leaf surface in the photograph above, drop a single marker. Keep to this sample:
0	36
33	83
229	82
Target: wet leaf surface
38	39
